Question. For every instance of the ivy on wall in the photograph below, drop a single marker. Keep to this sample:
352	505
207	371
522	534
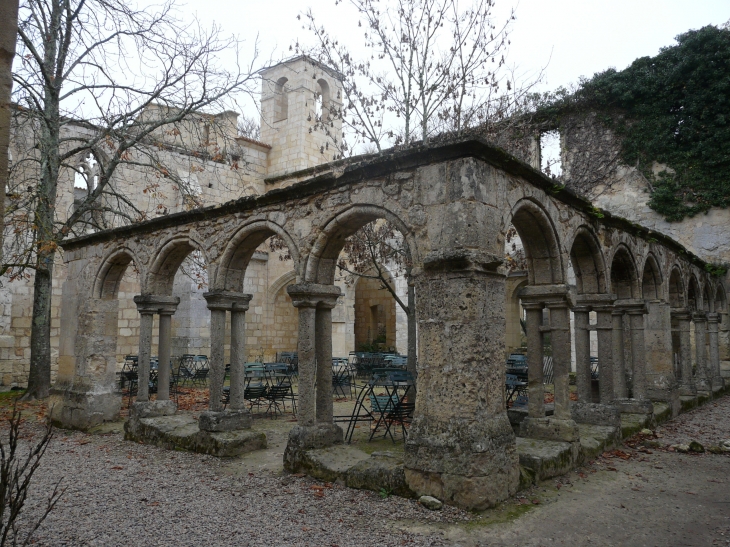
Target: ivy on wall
673	109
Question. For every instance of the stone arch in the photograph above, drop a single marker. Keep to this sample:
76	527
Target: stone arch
694	295
676	289
240	249
540	241
624	276
707	302
322	261
588	263
720	300
111	272
281	101
651	279
283	281
167	261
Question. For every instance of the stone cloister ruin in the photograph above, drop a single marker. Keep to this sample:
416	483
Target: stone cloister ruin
453	204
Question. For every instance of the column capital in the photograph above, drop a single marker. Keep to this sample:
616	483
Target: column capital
152	303
699	316
681	314
550	296
313	295
713	317
219	299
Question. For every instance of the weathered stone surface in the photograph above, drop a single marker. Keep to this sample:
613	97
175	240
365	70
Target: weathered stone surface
381	471
303	439
546	459
227	420
595	439
152	409
631	424
634	406
181	432
550	429
332	463
429	502
82	409
596	414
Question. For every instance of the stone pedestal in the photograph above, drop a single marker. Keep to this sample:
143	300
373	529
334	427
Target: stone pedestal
461	447
596	414
226	420
312	437
634	406
686	381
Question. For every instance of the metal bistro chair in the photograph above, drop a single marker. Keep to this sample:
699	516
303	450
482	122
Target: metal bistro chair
342	377
201	369
185	370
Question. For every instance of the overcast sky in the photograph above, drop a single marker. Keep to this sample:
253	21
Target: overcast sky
572	37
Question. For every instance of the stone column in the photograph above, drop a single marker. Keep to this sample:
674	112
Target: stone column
687	386
146	318
238	353
315	428
582	353
461	447
638	351
619	367
163	353
585	410
323	329
606	374
702	380
560	339
561	426
535	385
219	302
716	380
661	381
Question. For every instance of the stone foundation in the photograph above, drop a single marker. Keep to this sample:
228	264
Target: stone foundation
79	408
595	414
305	438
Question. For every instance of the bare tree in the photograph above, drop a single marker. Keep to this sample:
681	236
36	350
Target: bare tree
377	251
18	464
8	34
432	66
142	81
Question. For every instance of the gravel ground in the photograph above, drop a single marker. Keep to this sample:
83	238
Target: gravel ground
121	493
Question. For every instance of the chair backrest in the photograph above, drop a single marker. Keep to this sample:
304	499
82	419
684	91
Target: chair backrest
547	370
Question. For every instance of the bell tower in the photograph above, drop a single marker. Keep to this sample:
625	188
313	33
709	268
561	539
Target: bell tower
301	101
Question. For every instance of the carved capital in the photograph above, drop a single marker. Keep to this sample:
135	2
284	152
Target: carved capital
152	303
218	299
313	295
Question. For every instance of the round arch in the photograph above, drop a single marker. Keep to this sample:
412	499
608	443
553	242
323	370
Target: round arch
172	254
111	272
676	289
322	261
694	295
540	241
720	298
240	249
624	276
651	279
588	262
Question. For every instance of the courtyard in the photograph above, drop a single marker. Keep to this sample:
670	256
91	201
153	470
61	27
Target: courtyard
122	493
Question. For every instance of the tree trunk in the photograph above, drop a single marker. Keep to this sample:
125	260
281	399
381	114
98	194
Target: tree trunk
412	349
39	378
8	34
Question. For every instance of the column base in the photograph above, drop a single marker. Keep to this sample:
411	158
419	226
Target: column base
687	390
635	406
669	396
550	429
703	386
226	420
472	464
303	438
81	408
595	414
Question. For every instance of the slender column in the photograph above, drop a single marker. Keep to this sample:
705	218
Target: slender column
687	385
146	318
560	339
535	387
619	376
163	354
238	358
307	364
217	356
582	353
713	320
703	380
323	329
606	375
638	352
